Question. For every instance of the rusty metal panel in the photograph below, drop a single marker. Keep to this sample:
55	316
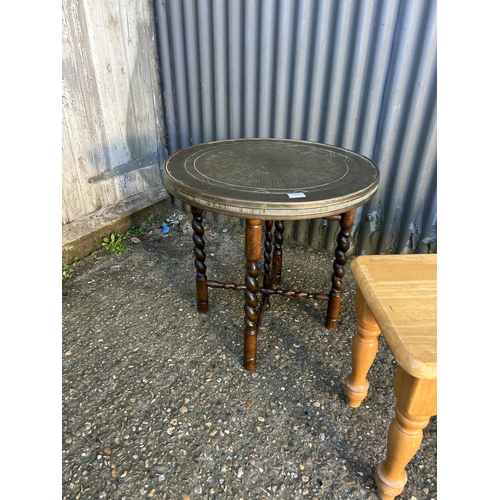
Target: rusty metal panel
357	74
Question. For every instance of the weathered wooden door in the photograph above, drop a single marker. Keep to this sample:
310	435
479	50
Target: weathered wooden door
112	124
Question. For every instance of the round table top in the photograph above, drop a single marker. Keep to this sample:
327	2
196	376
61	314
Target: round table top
272	179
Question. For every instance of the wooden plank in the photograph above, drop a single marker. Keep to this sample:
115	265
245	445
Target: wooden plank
101	218
75	118
73	203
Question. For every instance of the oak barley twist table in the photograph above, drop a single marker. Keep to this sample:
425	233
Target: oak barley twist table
269	180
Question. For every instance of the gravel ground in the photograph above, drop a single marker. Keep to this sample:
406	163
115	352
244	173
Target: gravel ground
156	403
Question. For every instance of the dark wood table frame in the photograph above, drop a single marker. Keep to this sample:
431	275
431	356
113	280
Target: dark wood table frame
273	254
268	181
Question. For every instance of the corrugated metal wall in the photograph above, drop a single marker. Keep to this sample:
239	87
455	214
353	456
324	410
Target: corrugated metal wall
357	74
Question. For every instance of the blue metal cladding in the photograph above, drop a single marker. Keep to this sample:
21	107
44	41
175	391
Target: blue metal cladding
358	74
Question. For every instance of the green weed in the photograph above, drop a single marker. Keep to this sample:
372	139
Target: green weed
67	271
114	244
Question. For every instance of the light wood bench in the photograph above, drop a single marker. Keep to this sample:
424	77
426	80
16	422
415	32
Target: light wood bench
397	296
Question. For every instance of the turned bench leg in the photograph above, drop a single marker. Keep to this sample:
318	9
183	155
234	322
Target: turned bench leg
416	403
199	259
333	310
253	234
364	350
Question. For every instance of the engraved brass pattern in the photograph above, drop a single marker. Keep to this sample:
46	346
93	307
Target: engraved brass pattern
272	178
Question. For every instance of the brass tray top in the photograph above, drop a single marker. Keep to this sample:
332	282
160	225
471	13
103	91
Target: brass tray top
272	179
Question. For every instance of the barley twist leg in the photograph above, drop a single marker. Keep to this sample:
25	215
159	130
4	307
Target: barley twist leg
253	232
279	227
199	262
333	311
